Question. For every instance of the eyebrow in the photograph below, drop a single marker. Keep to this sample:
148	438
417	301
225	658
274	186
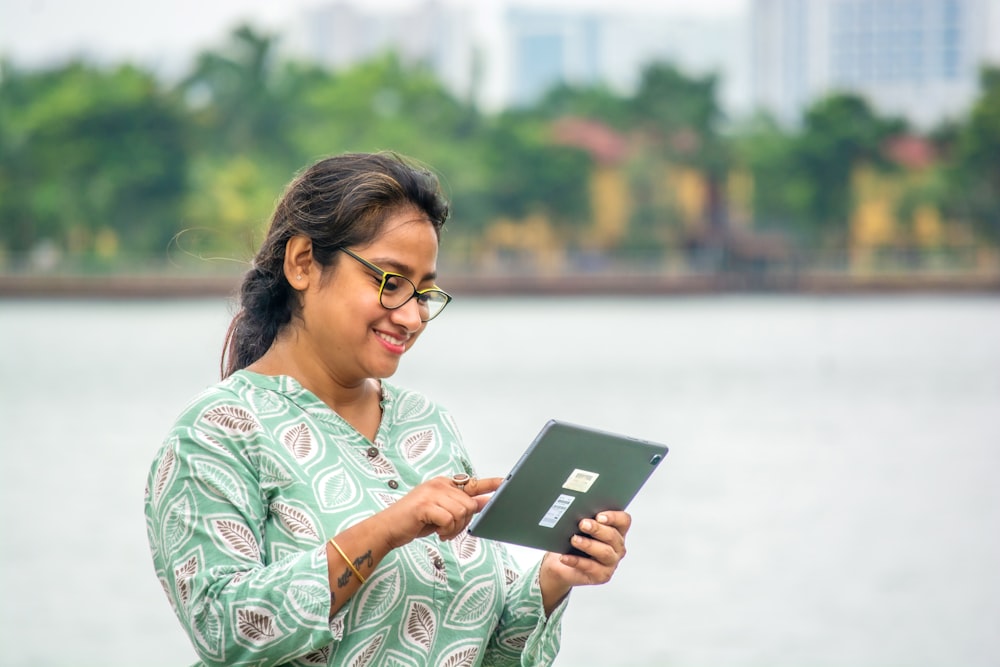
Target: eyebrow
394	266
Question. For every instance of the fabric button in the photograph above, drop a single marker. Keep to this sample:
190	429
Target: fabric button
393	484
372	452
438	562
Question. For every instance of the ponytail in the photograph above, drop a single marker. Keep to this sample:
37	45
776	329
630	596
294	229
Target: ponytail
266	305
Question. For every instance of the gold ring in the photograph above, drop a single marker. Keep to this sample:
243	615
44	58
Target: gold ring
460	480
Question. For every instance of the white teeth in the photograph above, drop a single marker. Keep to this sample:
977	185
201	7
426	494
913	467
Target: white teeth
390	339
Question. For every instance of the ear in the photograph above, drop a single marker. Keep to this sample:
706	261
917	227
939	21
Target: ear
299	264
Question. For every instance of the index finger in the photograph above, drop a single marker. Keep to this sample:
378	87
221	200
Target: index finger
478	486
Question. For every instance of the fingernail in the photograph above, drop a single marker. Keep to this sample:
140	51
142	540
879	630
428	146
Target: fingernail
586	526
603	518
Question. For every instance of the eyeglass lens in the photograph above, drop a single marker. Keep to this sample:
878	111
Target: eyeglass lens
397	290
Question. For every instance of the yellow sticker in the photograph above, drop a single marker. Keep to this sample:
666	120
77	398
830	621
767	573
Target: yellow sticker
581	480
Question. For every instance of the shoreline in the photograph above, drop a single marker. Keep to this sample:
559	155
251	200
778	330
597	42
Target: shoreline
146	286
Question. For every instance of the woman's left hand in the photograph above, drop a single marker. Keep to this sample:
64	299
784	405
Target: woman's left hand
603	540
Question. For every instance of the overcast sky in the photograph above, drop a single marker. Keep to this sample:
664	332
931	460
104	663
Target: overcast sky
34	32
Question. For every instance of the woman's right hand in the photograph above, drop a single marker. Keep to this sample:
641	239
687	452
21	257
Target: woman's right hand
436	506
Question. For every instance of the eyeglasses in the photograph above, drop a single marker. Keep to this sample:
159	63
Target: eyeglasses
393	292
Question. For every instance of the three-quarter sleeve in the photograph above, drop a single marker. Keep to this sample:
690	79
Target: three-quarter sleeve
524	635
205	514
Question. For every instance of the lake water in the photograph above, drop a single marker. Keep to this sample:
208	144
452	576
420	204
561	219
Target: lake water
830	498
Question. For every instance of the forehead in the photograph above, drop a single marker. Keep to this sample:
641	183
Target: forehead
407	244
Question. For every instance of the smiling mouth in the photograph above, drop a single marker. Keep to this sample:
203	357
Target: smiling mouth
392	340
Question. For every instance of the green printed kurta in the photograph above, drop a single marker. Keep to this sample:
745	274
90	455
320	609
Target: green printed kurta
254	477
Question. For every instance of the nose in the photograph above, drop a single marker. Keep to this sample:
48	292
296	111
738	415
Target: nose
408	315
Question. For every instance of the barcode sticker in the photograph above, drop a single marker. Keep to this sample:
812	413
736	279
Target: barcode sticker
581	480
555	512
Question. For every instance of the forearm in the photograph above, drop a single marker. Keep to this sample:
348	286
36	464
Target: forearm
364	545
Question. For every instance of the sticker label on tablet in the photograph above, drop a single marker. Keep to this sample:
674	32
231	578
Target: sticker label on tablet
555	512
581	480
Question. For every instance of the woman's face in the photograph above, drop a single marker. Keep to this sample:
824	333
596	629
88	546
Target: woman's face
352	335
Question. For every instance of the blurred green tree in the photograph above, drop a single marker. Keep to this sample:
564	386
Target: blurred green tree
779	200
528	174
680	117
839	133
975	174
92	161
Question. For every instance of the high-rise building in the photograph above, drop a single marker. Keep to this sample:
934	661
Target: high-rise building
612	47
519	52
918	59
432	33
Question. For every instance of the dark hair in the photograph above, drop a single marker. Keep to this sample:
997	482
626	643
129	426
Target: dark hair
338	202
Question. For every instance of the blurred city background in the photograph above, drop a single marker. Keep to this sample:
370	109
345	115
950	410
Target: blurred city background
748	143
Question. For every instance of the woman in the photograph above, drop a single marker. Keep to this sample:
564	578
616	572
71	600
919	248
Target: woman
304	510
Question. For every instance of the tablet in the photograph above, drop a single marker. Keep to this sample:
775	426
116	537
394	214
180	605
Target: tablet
567	474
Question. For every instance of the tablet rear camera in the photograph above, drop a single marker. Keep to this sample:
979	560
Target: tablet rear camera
656	459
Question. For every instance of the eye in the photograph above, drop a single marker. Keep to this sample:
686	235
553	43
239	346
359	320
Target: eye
392	283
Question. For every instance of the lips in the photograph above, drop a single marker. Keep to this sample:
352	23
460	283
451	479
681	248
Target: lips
394	343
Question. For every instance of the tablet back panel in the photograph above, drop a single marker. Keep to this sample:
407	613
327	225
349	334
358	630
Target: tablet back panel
568	473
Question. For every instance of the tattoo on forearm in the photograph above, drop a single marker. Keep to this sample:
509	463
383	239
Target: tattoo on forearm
364	559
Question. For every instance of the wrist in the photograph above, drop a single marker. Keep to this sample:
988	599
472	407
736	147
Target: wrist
554	588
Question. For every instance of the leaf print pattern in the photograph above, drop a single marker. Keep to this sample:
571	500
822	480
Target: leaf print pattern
265	403
299	441
463	657
272	472
337	624
420	625
516	641
213	444
368	653
256	625
310	600
295	520
208	629
177	522
239	497
411	407
382	465
238	538
336	490
417	444
220	480
182	574
377	598
466	547
385	499
232	418
398	659
318	657
473	604
164	471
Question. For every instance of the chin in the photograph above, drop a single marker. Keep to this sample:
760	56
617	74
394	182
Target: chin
385	371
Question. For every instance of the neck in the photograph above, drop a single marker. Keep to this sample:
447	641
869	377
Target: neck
343	396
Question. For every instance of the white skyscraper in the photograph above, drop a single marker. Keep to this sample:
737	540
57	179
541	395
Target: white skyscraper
521	51
341	34
915	58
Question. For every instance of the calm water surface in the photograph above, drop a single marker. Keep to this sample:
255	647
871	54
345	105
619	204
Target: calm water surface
830	498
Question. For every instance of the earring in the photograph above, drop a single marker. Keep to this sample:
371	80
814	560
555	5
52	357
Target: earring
298	277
